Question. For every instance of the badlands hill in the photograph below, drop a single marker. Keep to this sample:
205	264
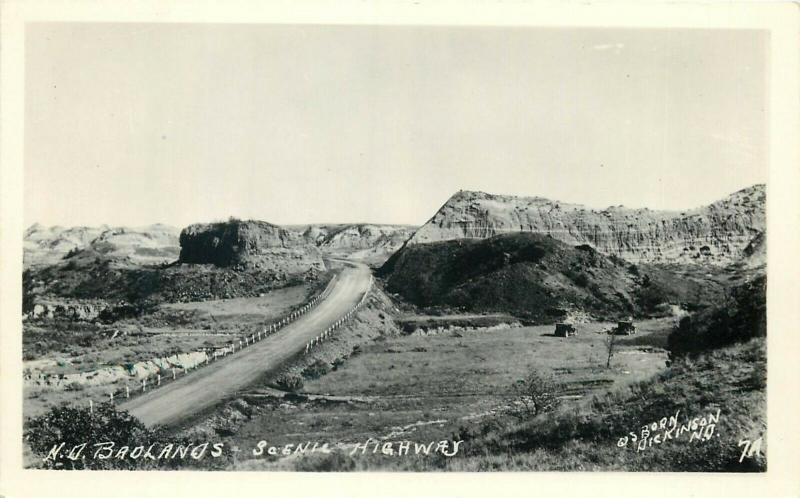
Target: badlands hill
540	278
248	244
73	269
151	244
530	275
263	245
156	244
368	242
717	234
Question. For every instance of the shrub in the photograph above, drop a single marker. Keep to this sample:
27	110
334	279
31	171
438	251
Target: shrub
289	382
316	369
537	395
75	426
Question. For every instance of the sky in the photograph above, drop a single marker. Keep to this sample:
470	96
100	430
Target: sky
133	124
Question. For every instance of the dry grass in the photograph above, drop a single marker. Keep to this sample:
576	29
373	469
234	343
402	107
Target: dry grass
425	388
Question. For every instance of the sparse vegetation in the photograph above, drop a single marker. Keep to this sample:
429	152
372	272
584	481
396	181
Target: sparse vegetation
585	437
740	316
538	394
316	369
289	382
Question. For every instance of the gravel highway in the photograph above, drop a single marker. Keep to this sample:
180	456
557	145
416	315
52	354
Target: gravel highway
218	380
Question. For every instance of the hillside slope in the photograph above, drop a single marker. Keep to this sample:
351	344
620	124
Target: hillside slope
716	234
531	275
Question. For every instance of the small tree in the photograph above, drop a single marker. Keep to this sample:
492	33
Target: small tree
537	394
611	346
289	382
74	426
70	427
316	369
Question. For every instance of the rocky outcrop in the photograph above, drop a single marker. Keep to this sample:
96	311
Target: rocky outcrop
717	234
36	375
248	244
755	254
83	311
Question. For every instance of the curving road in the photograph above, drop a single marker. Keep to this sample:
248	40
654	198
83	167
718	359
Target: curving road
214	382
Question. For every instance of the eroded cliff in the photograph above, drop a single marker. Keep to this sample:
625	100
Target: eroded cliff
253	244
718	233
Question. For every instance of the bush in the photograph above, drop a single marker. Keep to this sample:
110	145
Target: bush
316	369
289	382
537	394
75	426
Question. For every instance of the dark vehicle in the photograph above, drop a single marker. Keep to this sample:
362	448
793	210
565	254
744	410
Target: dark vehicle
565	330
624	328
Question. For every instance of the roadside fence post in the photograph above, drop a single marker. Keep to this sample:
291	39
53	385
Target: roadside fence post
91	407
127	392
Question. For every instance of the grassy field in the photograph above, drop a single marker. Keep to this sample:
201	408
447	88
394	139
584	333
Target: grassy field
425	388
235	312
723	389
395	392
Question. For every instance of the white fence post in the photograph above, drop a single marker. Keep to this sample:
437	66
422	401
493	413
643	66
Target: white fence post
127	392
173	374
91	407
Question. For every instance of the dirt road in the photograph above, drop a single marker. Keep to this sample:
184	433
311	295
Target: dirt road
211	384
